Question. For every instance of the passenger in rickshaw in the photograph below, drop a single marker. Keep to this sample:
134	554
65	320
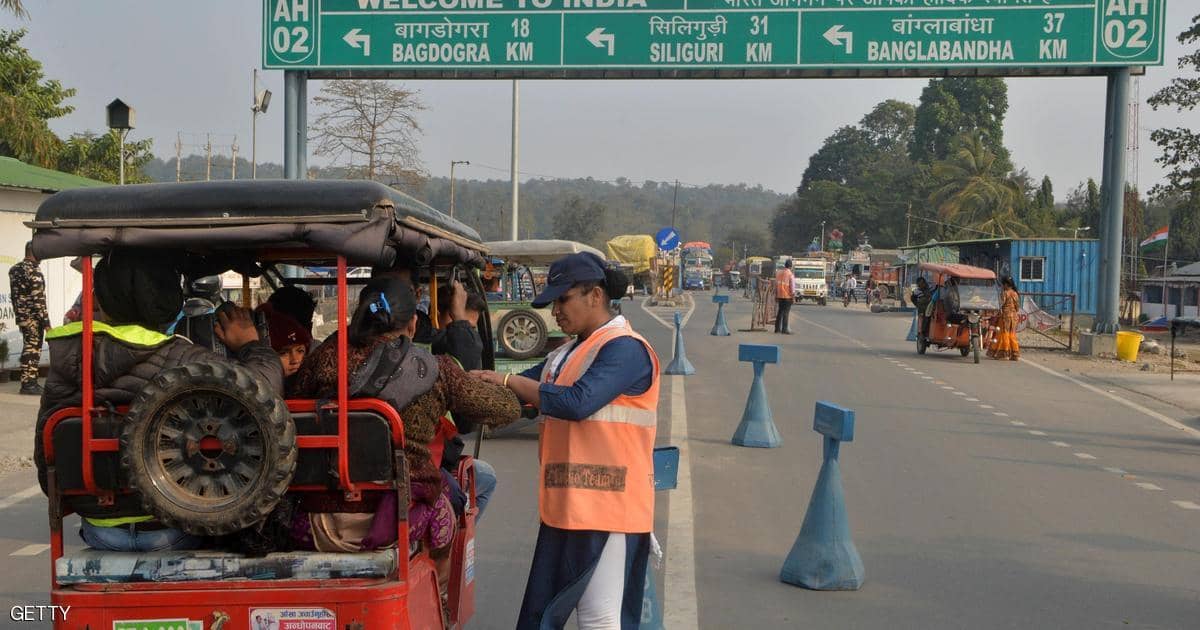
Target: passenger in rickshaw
295	303
921	299
379	345
137	296
288	337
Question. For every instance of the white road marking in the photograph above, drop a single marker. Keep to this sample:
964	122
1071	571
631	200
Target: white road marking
916	372
9	501
971	399
1115	471
1147	486
947	387
1171	422
1037	433
1187	505
959	394
30	550
669	324
928	378
986	407
1000	413
680	609
1061	444
1085	456
1016	423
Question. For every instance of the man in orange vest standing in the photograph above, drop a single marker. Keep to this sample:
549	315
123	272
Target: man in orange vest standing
785	294
598	396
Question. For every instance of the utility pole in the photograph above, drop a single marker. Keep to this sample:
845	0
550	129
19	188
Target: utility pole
178	156
908	226
208	157
822	236
516	102
233	159
452	164
674	197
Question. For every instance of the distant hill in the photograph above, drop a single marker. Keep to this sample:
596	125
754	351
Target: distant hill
705	213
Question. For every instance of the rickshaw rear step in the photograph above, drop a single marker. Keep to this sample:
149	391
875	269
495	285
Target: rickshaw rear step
90	566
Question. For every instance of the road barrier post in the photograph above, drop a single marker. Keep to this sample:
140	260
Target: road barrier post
666	477
720	329
679	363
824	558
757	428
912	330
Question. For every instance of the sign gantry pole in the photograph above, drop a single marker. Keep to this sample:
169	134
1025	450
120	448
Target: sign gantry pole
1117	129
516	117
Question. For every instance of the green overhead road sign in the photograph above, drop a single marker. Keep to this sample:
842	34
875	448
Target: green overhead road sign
554	38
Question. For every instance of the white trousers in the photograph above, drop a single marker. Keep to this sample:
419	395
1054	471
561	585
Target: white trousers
600	606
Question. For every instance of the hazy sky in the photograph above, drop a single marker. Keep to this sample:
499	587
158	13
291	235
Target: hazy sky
185	67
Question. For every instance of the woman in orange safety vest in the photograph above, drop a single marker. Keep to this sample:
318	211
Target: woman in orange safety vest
598	396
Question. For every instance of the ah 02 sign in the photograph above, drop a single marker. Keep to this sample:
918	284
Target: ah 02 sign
1128	28
290	27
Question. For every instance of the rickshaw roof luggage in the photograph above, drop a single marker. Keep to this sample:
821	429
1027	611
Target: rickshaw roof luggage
538	251
959	271
367	222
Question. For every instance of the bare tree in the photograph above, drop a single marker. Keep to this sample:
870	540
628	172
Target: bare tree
373	126
15	7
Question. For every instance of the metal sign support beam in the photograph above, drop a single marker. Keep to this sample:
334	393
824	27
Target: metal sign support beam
1112	196
295	122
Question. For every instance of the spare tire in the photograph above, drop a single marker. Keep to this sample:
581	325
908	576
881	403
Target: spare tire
210	448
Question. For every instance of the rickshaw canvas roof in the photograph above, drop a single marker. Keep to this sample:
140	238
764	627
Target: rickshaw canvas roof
959	271
365	221
538	251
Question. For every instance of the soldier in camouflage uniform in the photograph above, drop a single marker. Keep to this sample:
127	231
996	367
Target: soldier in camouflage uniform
27	287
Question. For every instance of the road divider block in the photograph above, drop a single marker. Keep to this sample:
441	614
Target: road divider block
757	428
824	557
720	328
679	363
912	330
666	477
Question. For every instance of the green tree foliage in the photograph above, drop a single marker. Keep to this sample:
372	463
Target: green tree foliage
745	240
98	157
889	126
580	221
957	105
841	158
1185	228
1180	145
16	7
1083	207
27	101
974	189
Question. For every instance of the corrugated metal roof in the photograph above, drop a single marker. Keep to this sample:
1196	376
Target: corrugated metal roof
994	240
17	174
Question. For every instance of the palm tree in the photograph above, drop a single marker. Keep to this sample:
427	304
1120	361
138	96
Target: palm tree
974	191
15	7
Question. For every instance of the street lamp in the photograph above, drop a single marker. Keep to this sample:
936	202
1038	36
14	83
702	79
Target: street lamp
261	100
822	236
454	163
120	119
1076	232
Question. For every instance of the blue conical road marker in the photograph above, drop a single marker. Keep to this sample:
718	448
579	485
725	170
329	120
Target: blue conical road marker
720	329
912	330
757	428
824	557
679	364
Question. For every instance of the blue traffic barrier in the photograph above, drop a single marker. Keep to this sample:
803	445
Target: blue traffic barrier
679	363
720	329
666	477
912	330
757	428
824	557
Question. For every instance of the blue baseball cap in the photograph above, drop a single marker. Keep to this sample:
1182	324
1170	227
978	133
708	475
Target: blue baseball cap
568	271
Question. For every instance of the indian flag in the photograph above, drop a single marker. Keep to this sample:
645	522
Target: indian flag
1156	240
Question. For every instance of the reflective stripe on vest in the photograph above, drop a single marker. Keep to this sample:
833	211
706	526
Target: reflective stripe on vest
598	473
129	333
119	521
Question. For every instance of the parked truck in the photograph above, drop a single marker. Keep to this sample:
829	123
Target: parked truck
810	281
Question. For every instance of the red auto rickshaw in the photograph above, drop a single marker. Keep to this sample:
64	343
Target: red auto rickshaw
348	448
963	296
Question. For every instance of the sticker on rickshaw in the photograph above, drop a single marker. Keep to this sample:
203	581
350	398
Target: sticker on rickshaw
159	624
292	619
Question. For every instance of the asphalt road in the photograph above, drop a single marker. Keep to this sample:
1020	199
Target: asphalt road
979	496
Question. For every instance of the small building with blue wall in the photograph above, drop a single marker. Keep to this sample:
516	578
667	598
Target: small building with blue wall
1037	265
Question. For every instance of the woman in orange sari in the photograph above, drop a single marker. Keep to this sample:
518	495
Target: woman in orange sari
1005	345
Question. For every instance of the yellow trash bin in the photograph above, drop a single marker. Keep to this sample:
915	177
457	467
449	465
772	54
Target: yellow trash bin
1128	344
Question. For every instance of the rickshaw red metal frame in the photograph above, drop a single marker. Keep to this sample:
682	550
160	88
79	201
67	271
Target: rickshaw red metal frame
968	335
406	598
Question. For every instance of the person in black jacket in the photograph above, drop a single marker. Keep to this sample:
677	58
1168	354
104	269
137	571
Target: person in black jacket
137	295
